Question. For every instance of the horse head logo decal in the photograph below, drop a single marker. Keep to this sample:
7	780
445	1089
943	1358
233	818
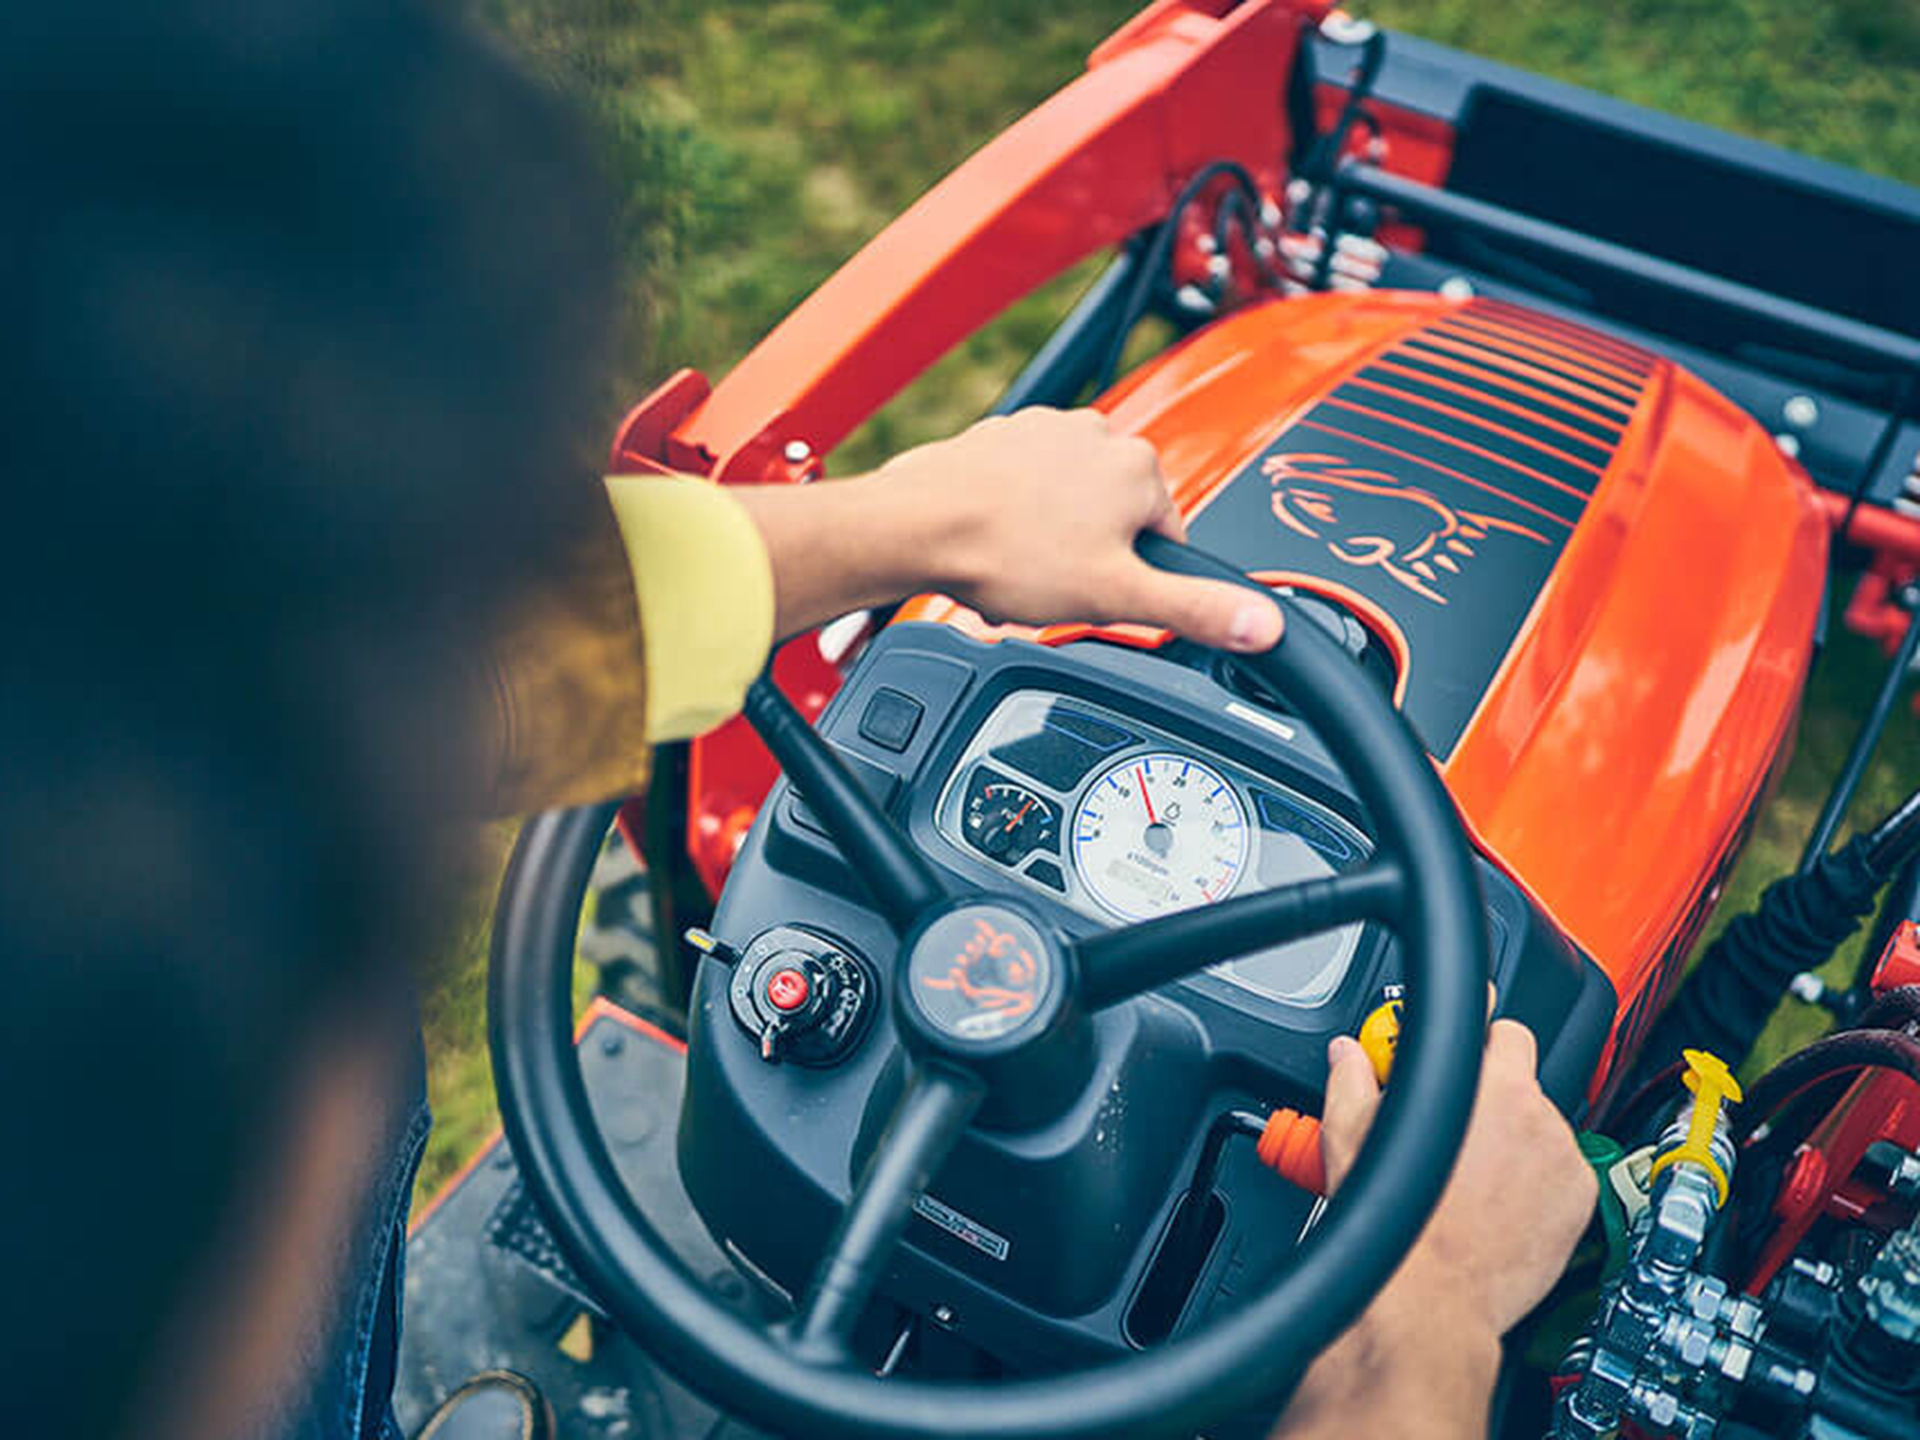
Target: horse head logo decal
1369	518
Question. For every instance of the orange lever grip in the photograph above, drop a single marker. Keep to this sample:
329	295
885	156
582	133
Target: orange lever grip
1290	1147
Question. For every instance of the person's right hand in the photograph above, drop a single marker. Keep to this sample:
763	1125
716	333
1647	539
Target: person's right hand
1520	1196
1040	511
1421	1361
1029	517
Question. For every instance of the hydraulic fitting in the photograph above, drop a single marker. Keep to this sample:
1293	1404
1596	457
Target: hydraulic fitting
1666	1336
1884	1339
1892	1167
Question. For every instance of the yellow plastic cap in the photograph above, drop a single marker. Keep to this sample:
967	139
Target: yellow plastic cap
1380	1038
1713	1088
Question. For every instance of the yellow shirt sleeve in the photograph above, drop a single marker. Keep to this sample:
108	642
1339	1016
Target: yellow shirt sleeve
705	592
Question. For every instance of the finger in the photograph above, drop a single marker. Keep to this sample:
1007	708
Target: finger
1208	612
1511	1046
1164	517
1353	1095
1134	456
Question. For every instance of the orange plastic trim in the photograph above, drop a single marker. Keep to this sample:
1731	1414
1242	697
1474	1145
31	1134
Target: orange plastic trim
1482	397
1456	349
1466	417
1475	326
1085	169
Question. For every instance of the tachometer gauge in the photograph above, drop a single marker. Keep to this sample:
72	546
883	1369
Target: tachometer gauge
1004	820
1158	833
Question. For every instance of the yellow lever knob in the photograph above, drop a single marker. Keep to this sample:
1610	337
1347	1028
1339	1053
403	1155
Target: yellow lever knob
1380	1038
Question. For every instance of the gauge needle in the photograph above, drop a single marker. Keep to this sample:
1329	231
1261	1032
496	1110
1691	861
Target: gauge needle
1145	798
1021	816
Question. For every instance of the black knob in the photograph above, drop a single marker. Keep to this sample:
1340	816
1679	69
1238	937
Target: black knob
800	997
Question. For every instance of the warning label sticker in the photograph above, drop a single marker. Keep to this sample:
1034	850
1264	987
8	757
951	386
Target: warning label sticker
961	1227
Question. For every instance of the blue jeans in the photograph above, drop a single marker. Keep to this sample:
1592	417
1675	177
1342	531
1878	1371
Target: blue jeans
351	1382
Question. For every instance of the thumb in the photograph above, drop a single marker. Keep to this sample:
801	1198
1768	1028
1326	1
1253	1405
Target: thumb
1353	1095
1208	612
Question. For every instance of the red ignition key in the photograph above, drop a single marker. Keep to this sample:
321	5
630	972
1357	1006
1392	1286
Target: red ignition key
787	989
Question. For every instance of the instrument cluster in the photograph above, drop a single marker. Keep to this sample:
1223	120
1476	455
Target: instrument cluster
1123	823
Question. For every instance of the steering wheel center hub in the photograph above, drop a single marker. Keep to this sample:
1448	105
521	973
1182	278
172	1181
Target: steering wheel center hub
982	974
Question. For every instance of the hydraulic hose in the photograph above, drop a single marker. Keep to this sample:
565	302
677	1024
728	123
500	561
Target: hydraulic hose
1848	781
1787	1102
1159	252
1895	1010
1894	841
1837	1055
1325	151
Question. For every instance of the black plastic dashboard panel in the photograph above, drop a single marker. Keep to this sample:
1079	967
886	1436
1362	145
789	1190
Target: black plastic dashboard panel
1036	1241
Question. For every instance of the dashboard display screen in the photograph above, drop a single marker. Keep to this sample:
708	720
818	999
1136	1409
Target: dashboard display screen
1125	823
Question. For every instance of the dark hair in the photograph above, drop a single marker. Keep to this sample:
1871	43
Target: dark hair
300	315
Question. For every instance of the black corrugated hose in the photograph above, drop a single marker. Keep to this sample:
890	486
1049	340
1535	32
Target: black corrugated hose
1800	921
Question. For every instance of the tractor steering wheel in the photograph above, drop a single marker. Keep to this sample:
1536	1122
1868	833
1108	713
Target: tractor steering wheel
796	1378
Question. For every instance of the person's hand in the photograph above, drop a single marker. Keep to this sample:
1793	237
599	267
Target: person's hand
1422	1360
1040	509
1520	1196
1028	517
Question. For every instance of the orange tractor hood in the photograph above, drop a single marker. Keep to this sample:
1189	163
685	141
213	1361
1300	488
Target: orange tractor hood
1597	578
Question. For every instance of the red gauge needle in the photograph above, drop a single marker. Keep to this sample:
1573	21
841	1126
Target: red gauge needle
1021	816
1145	799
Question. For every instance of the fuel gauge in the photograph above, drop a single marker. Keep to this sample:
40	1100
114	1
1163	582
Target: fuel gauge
1006	821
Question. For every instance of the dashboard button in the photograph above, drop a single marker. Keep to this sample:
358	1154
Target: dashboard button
787	989
1048	874
891	719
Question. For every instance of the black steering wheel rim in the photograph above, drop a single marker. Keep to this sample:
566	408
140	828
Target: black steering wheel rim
1234	1364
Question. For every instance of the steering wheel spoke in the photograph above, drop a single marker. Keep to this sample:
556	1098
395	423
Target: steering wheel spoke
902	883
925	1126
1128	962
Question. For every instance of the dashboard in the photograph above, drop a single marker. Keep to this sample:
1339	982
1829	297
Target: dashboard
1126	822
1108	786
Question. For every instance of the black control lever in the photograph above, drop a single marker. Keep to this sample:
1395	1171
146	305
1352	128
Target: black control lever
901	881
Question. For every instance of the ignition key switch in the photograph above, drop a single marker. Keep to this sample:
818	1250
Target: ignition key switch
801	996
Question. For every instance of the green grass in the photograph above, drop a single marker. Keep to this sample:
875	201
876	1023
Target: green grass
757	145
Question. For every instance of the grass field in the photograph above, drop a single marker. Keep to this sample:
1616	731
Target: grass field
758	143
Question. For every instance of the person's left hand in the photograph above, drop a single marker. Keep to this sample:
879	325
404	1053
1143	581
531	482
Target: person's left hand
1040	510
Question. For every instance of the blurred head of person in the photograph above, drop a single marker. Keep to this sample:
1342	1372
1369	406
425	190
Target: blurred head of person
301	340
